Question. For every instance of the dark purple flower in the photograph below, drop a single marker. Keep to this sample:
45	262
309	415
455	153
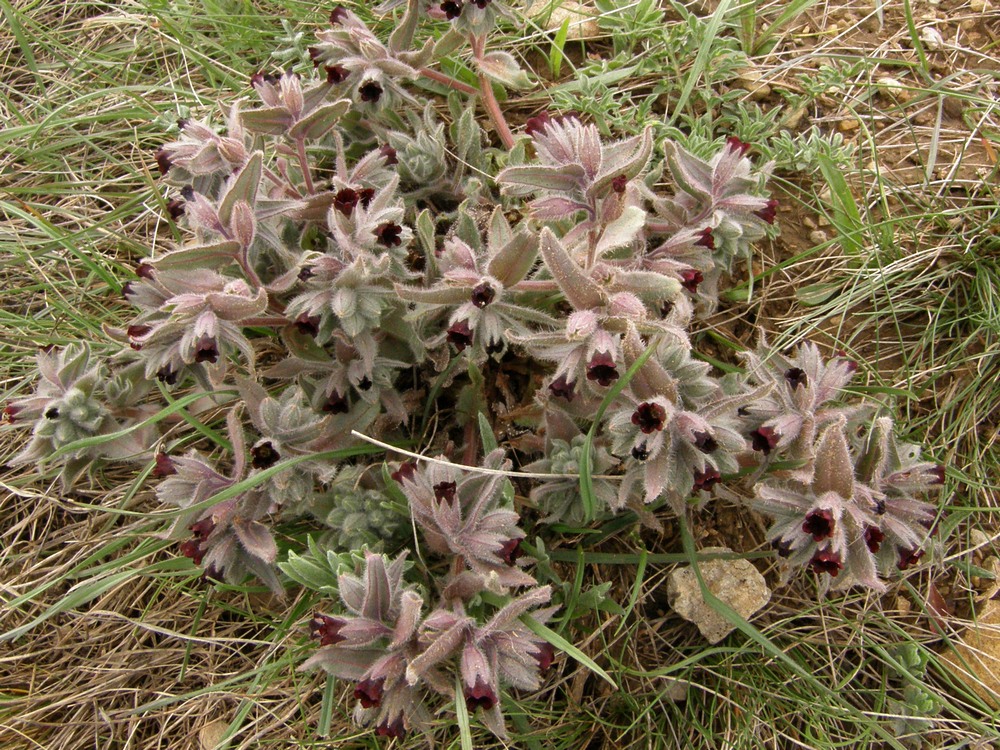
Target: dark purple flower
394	728
137	331
460	335
345	200
307	324
175	207
601	368
690	280
336	73
649	417
783	547
483	294
937	474
315	53
389	153
880	507
164	466
326	629
258	79
206	350
769	212
510	551
365	383
796	376
666	308
337	15
444	492
369	692
828	562
264	455
203	529
737	145
706	239
706	480
163	161
537	124
388	234
167	374
819	525
9	413
192	549
545	655
451	9
306	273
370	92
52	413
145	271
481	4
619	183
640	452
336	404
406	471
704	442
562	388
214	574
909	558
495	346
874	538
480	695
366	195
764	439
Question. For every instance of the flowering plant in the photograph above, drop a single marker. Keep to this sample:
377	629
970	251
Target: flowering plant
347	268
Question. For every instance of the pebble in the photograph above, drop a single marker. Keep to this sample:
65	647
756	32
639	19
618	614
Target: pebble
735	582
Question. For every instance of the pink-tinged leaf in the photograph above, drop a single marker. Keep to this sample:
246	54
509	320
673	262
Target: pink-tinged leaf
513	610
269	121
563	178
320	121
937	607
834	469
554	208
242	188
514	259
410	604
693	175
235	430
628	158
503	68
256	540
622	231
345	663
243	223
267	208
198	256
236	306
442	645
377	588
581	291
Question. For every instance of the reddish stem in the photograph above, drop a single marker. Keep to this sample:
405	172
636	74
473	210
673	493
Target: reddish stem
448	81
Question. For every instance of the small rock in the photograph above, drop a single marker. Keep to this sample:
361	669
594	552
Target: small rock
931	38
552	14
894	88
848	125
735	582
752	80
979	6
818	237
211	734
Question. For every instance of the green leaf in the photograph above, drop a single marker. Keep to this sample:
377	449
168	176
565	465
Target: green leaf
566	647
558	45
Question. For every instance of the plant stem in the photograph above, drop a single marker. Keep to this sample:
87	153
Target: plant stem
448	81
300	146
478	44
535	285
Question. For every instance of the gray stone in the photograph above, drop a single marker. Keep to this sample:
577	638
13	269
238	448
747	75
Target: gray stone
735	582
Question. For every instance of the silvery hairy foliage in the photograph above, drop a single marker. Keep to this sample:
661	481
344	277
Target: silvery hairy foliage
861	513
355	260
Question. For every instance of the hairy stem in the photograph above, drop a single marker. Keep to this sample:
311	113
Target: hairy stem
478	44
300	145
439	77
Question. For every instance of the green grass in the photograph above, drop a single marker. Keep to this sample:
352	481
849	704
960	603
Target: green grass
120	643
